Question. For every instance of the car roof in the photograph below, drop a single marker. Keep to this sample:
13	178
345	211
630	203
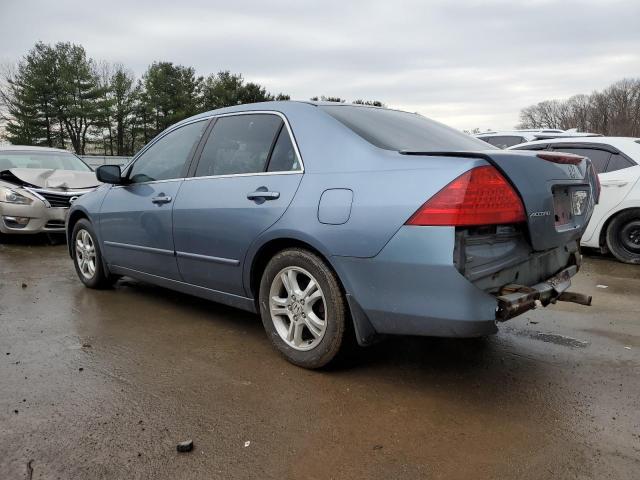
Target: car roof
22	148
628	145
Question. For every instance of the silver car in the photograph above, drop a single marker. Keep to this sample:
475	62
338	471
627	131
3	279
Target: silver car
37	187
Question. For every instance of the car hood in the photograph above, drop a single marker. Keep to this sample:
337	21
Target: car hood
51	178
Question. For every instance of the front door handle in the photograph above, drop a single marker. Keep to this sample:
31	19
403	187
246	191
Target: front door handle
161	199
263	195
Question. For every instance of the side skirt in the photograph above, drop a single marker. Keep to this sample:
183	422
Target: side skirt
236	301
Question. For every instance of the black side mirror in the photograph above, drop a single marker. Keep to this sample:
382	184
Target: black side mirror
109	174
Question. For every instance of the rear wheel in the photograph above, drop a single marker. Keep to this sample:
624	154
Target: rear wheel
302	307
87	257
623	237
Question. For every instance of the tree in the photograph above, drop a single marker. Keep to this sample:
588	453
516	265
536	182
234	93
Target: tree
613	111
169	93
371	103
328	99
80	93
29	98
225	89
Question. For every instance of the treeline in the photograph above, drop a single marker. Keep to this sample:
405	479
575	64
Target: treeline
58	96
614	111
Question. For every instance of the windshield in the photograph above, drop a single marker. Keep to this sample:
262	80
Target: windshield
395	130
46	160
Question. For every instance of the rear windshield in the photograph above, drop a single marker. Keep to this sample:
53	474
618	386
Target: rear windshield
394	130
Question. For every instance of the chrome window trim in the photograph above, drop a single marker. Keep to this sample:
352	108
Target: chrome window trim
221	115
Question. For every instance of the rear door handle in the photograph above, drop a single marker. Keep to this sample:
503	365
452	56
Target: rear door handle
263	194
614	183
161	199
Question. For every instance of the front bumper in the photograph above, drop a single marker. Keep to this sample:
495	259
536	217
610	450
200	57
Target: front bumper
412	287
41	218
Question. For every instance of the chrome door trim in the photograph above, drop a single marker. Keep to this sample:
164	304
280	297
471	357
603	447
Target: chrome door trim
208	258
140	248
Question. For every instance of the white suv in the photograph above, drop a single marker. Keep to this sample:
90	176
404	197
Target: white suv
615	224
509	138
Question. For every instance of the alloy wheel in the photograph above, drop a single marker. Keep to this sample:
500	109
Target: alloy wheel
85	254
298	308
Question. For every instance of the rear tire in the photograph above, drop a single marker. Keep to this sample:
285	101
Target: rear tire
303	308
87	257
623	237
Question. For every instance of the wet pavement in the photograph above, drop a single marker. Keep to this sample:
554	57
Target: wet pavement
104	384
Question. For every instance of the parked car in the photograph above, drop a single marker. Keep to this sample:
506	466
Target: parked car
37	186
615	225
509	138
326	216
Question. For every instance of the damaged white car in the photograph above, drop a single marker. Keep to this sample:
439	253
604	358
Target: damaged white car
37	186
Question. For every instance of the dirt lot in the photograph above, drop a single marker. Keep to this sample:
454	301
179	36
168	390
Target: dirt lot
103	384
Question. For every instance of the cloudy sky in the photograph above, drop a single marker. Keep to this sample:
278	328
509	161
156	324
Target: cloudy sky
469	64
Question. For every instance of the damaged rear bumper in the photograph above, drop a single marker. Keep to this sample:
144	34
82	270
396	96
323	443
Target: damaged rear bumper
516	299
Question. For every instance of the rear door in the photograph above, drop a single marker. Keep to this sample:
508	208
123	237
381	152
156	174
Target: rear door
136	219
243	180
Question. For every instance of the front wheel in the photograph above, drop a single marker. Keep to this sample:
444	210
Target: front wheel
87	257
623	237
303	308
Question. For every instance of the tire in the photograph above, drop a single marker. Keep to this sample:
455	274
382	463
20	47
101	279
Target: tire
623	237
308	330
95	277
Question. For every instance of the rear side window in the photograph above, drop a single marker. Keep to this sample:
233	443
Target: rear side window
283	158
239	144
599	158
166	158
504	141
618	162
395	130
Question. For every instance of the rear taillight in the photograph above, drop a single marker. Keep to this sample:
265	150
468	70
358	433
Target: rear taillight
481	196
562	158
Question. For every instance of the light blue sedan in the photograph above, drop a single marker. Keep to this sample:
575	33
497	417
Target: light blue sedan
332	219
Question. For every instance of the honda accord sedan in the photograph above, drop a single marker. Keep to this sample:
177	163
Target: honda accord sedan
37	186
331	220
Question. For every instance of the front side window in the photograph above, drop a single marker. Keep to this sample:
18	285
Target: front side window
166	158
239	144
599	158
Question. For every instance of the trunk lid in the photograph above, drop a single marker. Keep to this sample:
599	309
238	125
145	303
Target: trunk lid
558	192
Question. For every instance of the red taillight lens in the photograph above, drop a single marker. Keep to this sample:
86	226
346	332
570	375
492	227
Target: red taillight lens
480	196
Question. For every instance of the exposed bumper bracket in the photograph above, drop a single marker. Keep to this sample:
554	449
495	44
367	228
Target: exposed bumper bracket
516	299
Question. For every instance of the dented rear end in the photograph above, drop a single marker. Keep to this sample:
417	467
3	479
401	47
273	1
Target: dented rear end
518	237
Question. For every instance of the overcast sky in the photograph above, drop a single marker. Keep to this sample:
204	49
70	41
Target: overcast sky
469	64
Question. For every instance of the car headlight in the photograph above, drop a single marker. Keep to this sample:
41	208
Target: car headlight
8	195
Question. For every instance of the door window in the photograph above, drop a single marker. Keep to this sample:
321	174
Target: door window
166	158
239	144
599	158
283	158
618	162
504	141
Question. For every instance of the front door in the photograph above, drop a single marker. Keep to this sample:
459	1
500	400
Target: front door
245	179
136	218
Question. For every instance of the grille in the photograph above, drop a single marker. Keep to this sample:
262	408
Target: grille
56	199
